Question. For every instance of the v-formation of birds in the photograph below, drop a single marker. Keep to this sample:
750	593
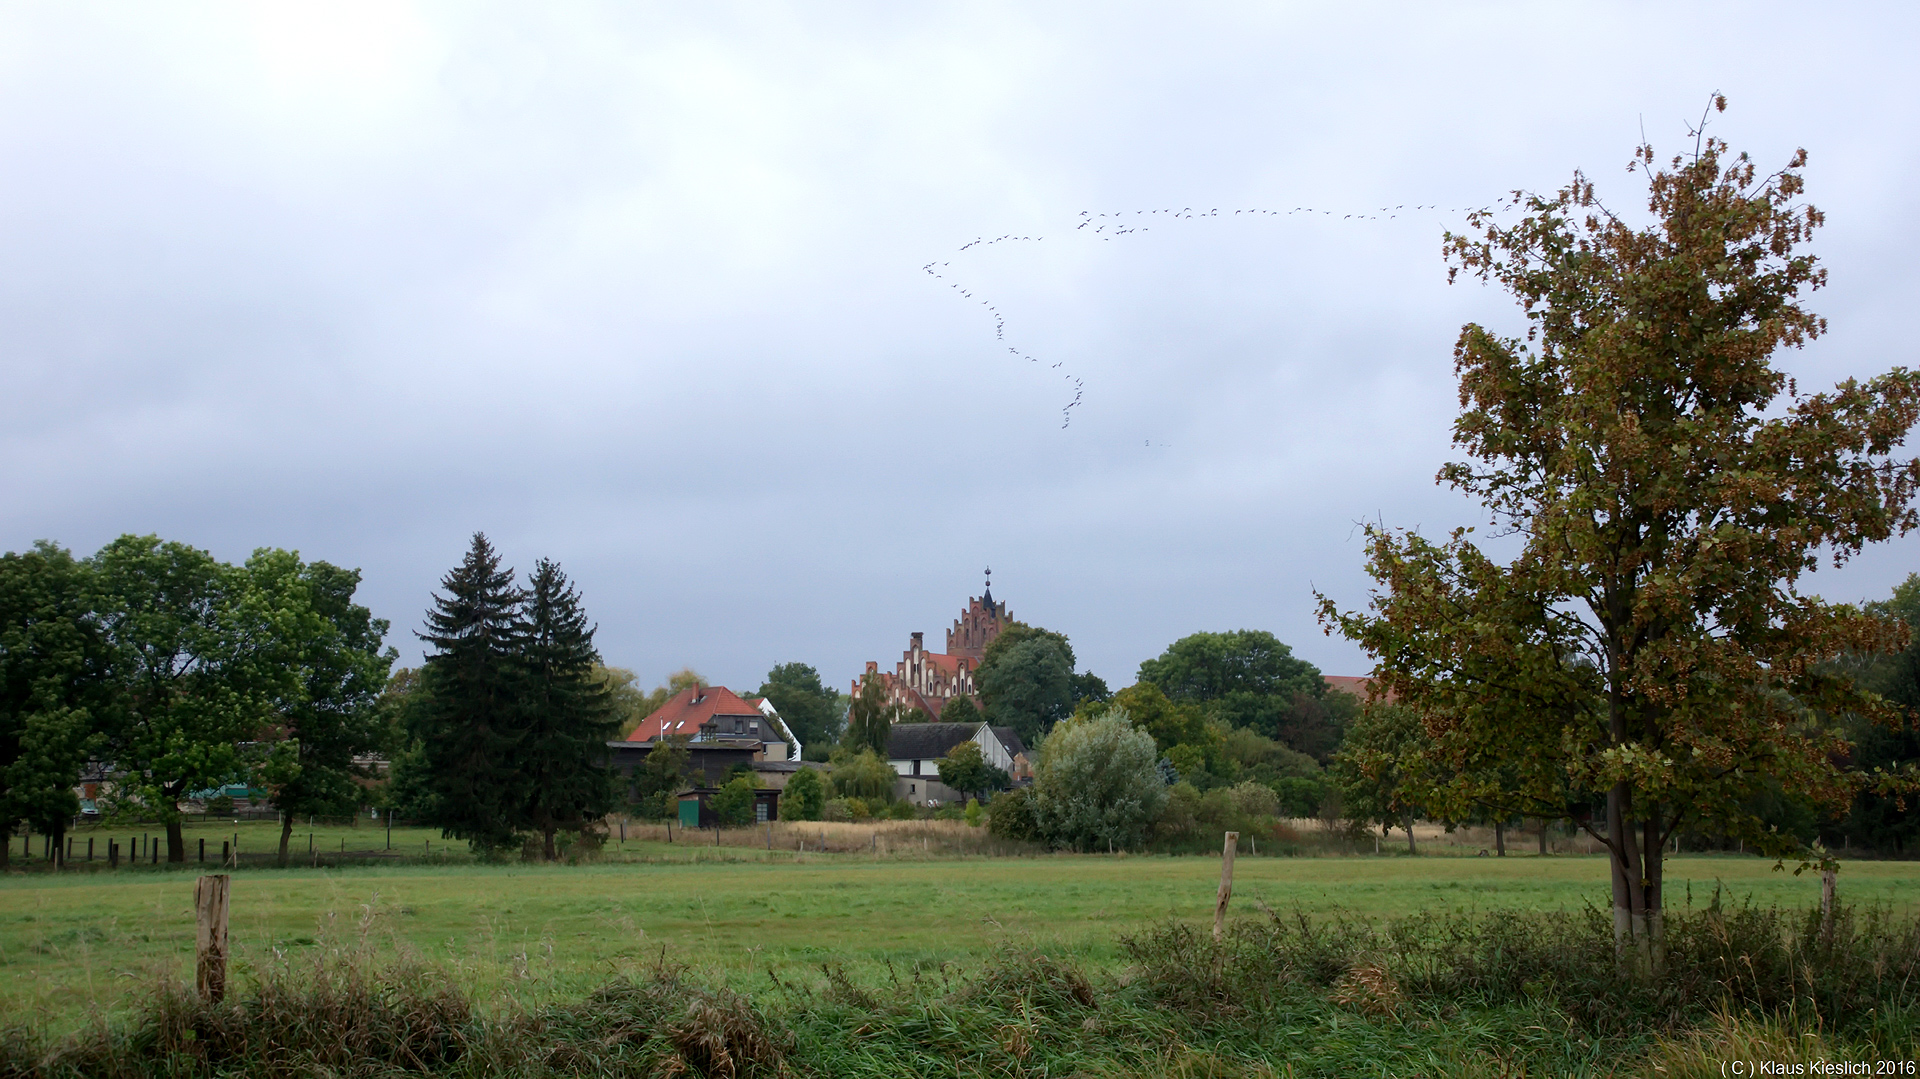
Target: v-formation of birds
1124	222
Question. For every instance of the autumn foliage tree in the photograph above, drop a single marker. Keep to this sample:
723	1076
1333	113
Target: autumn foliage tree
1647	650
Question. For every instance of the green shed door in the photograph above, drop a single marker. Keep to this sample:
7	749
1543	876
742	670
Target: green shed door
690	813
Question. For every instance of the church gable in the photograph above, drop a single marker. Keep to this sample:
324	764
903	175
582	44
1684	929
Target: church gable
928	680
978	625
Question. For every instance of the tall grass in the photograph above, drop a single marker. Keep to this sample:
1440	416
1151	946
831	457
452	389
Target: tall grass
1499	993
1861	978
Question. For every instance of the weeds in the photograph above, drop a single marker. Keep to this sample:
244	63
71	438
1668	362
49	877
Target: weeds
1745	961
1497	993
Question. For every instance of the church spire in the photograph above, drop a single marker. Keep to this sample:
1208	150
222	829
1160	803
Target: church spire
987	597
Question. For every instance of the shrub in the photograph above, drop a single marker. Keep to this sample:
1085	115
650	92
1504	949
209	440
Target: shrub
901	810
804	797
1180	817
857	809
1097	784
659	805
1010	815
974	814
963	768
732	804
220	805
862	775
836	809
1300	797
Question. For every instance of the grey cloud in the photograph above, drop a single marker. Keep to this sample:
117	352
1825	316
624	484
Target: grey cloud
639	288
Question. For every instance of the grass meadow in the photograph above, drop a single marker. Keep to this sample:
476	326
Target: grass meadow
881	908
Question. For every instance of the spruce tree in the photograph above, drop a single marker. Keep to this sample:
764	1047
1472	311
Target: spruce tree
469	723
567	714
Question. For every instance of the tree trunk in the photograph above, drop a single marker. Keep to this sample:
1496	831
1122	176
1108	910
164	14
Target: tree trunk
1543	837
286	836
1634	851
1407	823
176	841
6	847
1500	838
59	846
547	845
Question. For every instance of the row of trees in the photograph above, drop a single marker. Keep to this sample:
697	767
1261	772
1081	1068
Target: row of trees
174	673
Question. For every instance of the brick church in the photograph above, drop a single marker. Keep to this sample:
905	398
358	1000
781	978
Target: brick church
928	680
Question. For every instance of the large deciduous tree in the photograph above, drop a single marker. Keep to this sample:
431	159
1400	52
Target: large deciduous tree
1248	678
809	709
204	659
1647	647
566	714
1026	680
870	718
52	670
1883	820
335	718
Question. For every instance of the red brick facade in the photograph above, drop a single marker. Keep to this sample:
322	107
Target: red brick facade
928	680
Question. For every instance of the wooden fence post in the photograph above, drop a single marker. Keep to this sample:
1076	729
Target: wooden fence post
1826	906
210	937
1226	882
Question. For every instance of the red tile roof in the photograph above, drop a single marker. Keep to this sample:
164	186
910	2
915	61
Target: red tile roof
944	661
683	713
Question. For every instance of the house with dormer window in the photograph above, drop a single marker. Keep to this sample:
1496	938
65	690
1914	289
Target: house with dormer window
716	713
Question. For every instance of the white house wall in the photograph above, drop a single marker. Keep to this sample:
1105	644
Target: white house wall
991	749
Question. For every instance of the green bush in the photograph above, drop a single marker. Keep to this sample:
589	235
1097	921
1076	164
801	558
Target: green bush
1300	797
974	813
732	804
901	810
862	775
804	797
659	805
857	809
1098	784
1010	815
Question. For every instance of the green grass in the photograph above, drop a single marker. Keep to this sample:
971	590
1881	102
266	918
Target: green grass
83	942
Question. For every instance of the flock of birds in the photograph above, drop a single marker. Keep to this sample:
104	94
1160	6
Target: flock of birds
1122	223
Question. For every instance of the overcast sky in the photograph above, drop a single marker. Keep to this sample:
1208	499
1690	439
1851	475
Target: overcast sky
640	288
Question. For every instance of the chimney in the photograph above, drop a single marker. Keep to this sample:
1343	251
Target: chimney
917	638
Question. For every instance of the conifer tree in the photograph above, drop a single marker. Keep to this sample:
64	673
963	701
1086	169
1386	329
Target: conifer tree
469	723
566	716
